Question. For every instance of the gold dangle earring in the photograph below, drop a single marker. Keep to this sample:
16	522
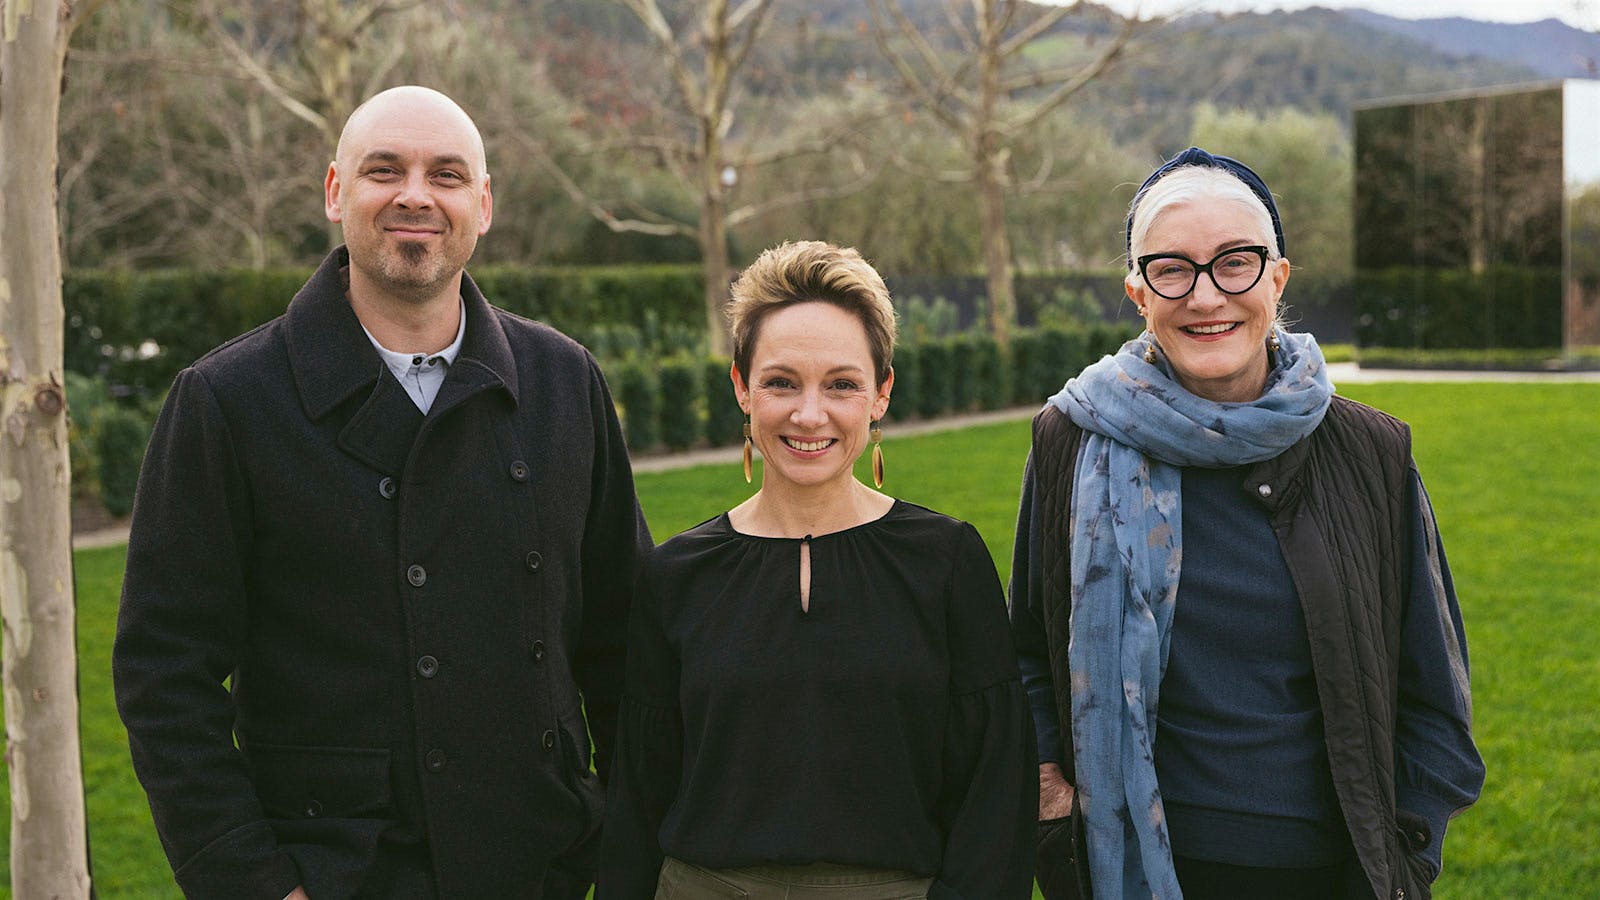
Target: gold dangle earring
1272	341
1150	352
875	435
747	448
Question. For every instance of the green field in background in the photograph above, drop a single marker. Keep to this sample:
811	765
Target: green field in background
1514	474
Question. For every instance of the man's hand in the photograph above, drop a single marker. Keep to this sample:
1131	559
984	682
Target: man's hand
1055	795
299	893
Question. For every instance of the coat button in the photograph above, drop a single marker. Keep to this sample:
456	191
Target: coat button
427	667
519	471
549	740
1265	490
534	560
313	809
537	650
435	760
386	488
417	575
1399	894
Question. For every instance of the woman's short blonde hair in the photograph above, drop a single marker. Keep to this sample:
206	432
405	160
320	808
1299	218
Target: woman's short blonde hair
805	271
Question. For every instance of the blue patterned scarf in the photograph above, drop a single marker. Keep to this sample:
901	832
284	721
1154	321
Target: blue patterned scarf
1127	551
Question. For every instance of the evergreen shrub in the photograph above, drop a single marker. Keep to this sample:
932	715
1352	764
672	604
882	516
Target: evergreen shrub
120	436
724	419
639	403
903	402
935	379
679	378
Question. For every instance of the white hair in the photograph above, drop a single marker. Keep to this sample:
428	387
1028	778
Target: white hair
1187	184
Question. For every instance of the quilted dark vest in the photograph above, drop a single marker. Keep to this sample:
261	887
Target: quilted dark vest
1337	501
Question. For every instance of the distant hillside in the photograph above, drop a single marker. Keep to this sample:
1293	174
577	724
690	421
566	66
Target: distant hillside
1549	47
1318	60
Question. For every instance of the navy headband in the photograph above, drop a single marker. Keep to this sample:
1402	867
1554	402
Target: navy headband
1194	156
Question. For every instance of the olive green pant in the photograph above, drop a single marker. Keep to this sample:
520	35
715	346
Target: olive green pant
820	881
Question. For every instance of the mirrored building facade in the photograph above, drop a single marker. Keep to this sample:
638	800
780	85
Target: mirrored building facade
1477	220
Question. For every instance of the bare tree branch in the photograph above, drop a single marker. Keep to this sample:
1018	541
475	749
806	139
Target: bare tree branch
1076	82
933	100
581	197
252	68
650	15
865	176
1039	26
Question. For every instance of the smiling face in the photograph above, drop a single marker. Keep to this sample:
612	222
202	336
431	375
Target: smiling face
810	395
410	188
1215	342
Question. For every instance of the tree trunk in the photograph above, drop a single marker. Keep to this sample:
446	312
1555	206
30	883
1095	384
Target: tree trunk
988	163
996	246
49	845
713	231
714	253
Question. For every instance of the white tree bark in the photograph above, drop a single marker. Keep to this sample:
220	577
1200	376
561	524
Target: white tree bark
49	845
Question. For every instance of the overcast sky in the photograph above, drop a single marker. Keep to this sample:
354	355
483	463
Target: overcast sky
1579	13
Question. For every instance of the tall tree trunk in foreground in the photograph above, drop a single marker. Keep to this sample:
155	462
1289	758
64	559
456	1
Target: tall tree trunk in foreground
49	837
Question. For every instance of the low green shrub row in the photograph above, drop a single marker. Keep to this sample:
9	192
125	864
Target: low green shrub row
671	403
684	401
1499	359
138	329
1448	309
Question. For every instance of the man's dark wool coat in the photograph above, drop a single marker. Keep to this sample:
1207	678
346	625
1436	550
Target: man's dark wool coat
414	611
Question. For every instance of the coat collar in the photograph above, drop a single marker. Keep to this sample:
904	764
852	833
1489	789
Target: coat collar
332	358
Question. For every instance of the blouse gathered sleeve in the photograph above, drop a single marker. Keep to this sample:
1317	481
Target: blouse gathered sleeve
1439	772
649	757
989	804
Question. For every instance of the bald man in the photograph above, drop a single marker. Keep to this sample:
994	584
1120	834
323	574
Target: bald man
381	563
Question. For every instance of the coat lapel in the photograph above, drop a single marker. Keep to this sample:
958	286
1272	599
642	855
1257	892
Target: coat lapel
485	362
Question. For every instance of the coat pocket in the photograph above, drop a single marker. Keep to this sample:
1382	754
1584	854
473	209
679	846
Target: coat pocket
322	782
1059	866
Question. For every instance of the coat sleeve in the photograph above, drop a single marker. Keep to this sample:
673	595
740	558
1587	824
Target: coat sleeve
1027	621
614	540
648	766
181	629
989	803
1438	770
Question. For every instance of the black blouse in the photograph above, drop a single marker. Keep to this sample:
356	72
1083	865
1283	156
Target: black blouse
884	727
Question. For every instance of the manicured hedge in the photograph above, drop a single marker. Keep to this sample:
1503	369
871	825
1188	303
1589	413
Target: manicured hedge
1428	309
680	401
137	330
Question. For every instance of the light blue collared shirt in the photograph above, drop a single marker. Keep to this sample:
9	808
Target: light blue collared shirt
419	373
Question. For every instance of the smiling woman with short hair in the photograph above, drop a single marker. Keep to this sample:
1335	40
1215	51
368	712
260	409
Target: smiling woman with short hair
822	699
1231	605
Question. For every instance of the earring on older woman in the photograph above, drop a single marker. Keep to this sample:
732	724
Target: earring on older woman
875	434
747	449
1150	352
1272	341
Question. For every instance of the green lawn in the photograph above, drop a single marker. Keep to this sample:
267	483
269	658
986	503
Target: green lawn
1514	473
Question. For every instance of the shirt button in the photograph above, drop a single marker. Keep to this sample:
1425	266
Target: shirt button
427	667
1265	490
537	650
417	575
313	809
534	560
519	471
435	760
549	740
387	489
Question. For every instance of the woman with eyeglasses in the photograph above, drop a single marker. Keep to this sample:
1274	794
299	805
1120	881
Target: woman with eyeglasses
1235	622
